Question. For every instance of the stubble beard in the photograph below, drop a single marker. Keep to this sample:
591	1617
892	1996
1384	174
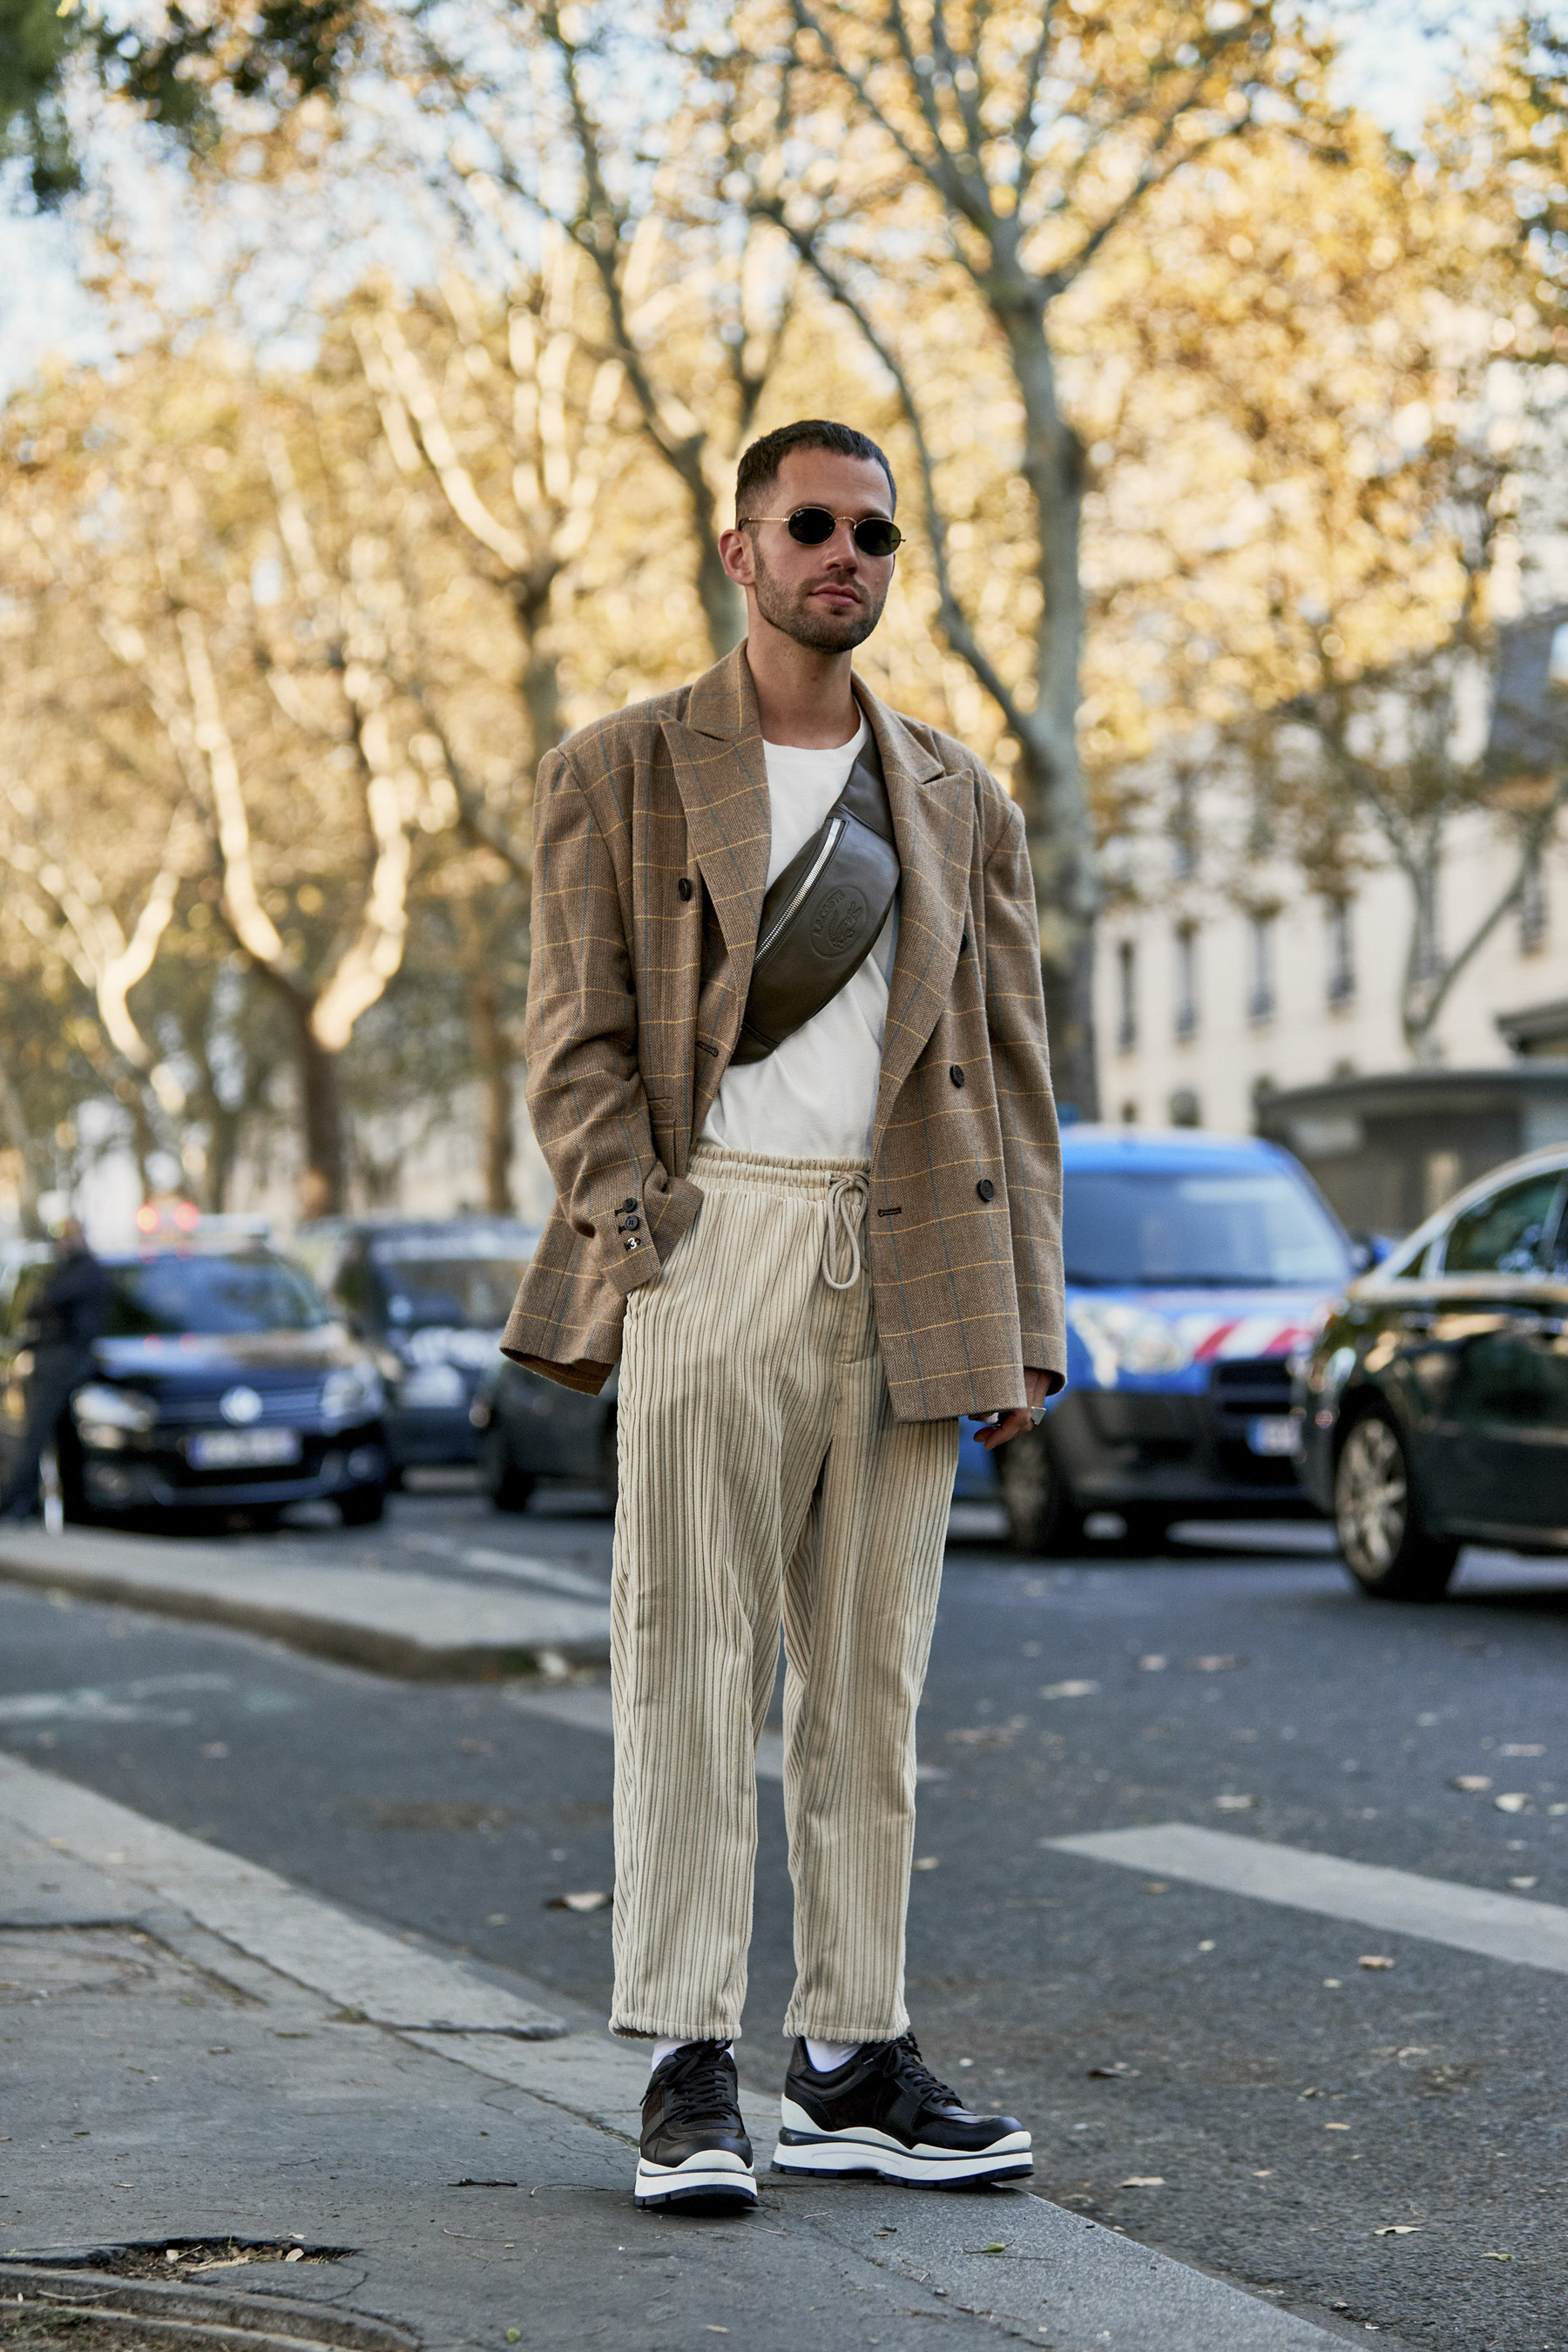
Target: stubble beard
792	617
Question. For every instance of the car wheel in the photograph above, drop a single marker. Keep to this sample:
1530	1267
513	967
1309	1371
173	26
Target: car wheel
1377	1517
508	1488
363	1506
1041	1515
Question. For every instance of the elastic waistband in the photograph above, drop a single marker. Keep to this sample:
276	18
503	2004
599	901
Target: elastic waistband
760	1171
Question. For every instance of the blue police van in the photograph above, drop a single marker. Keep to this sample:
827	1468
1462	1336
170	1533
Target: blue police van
1197	1267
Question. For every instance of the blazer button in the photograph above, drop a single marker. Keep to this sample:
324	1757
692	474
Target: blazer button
684	886
956	1074
631	1225
627	1208
987	1189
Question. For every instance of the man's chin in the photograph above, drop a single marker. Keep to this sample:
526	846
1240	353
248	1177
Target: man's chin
826	632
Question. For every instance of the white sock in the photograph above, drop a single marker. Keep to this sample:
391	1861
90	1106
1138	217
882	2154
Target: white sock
665	2048
825	2056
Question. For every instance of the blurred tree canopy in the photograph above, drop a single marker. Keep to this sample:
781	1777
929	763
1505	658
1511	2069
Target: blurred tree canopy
1214	410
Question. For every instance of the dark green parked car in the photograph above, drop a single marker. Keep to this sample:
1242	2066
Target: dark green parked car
1434	1405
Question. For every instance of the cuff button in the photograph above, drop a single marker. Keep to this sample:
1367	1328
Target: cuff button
987	1189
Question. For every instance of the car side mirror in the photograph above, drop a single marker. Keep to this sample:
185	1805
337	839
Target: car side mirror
1368	1250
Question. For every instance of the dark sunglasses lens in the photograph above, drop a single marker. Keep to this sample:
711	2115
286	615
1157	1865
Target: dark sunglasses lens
875	538
811	525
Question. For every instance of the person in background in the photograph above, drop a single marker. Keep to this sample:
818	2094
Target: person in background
68	1316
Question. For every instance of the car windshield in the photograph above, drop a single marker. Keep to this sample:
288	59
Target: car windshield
168	1294
1253	1227
463	1293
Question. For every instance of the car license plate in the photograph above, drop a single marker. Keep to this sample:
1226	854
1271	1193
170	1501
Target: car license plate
242	1449
1273	1433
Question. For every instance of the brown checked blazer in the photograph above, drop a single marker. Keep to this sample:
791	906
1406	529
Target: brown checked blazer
651	837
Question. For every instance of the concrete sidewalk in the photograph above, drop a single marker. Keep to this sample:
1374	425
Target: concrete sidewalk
392	1621
204	2058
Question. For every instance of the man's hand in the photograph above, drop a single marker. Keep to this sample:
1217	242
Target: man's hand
1038	1387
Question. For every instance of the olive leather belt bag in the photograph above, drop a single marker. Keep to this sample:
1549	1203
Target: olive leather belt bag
825	913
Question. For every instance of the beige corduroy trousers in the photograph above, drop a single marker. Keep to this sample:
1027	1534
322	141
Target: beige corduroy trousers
763	1477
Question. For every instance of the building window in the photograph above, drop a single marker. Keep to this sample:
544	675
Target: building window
1534	912
1187	979
1342	953
1129	1114
1184	826
1260	984
1185	1110
1126	996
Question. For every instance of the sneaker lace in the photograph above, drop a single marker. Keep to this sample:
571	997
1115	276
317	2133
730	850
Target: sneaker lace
700	2091
905	2061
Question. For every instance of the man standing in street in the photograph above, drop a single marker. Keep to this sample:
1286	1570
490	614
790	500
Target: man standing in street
787	1062
68	1316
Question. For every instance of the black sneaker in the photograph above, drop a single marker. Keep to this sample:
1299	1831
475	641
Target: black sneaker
694	2145
884	2111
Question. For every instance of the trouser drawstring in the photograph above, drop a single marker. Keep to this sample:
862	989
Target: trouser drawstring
843	1225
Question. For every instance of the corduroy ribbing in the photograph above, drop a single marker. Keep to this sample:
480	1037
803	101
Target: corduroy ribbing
764	1480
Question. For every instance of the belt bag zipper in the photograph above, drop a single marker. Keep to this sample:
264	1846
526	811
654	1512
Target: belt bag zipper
786	916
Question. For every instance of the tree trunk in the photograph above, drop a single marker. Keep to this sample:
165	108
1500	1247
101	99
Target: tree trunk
321	1180
493	1060
723	605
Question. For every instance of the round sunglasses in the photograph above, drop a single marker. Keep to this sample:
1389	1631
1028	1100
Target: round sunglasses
874	535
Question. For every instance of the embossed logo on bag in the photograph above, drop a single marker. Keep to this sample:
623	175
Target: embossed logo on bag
837	921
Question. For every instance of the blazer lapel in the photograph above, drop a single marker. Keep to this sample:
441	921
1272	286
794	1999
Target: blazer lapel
933	820
720	773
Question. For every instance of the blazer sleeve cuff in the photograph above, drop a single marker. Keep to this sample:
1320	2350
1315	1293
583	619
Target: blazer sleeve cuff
665	1219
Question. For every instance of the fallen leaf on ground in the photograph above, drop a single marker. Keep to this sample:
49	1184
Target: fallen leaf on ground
1215	1665
1105	2073
1155	1887
1512	1801
926	1862
1496	2258
1330	1984
295	2255
1397	2230
1374	1960
1526	1748
1471	1784
1069	1690
1144	2180
590	1899
1336	2126
995	2247
1266	2175
1154	1663
1232	1803
1522	1885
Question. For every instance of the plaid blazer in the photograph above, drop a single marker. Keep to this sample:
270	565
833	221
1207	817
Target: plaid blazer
652	831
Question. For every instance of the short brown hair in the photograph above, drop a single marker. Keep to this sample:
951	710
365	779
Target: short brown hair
760	464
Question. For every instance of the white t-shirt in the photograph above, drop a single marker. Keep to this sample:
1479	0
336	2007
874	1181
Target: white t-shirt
814	1097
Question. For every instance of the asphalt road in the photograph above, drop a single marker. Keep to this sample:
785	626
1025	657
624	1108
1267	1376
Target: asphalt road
1266	2106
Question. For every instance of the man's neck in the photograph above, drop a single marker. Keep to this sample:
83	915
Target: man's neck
804	699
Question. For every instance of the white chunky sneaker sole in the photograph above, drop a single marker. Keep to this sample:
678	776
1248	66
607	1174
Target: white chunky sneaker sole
801	2147
716	2176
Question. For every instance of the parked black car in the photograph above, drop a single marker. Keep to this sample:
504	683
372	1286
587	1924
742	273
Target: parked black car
1433	1406
430	1295
222	1383
531	1429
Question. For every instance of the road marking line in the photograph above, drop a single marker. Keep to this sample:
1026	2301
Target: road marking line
523	1566
111	1702
1470	1919
588	1709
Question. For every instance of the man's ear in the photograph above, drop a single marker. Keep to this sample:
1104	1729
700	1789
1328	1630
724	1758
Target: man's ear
735	555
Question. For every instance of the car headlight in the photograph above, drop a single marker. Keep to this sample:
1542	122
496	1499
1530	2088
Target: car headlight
1122	1338
433	1384
353	1393
109	1418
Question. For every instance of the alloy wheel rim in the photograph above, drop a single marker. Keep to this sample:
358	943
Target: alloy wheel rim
1373	1495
